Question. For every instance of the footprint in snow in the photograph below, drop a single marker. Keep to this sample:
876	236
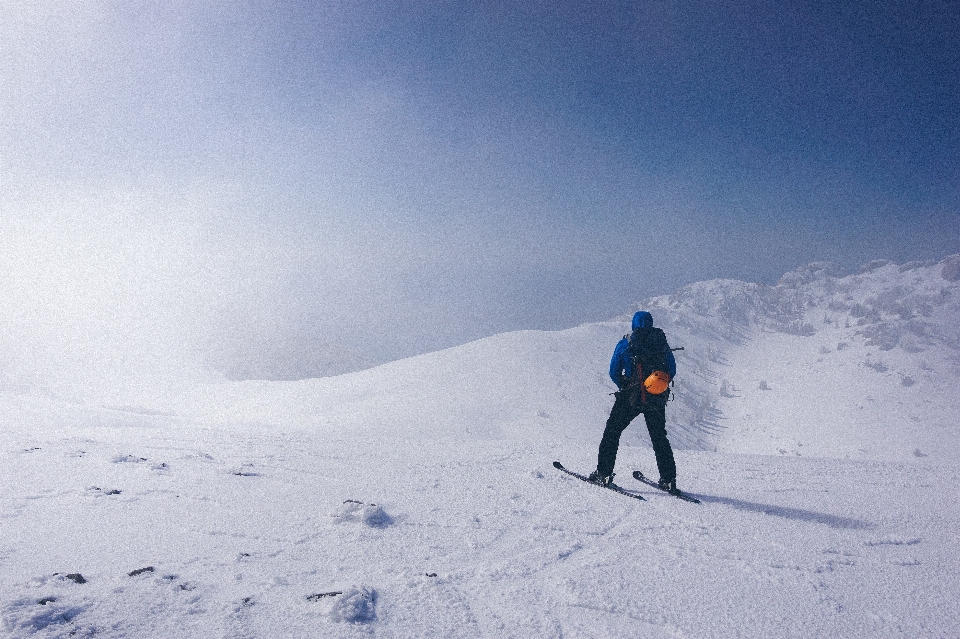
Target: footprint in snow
893	541
45	616
351	605
371	515
96	490
246	470
896	547
50	612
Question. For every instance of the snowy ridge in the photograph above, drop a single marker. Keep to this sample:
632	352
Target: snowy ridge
523	385
815	364
822	364
417	499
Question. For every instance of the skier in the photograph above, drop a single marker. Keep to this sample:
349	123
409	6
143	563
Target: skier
637	366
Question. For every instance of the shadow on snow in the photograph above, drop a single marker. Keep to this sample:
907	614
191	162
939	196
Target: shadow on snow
833	521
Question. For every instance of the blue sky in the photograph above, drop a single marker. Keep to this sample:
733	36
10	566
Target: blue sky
432	172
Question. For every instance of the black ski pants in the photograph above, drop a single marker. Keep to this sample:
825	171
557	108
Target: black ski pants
620	417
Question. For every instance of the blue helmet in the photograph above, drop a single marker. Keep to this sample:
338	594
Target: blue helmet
642	319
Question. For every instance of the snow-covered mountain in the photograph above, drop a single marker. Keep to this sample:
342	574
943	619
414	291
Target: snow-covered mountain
861	366
866	365
816	420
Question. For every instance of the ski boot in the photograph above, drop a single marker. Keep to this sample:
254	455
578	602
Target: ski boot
669	486
603	480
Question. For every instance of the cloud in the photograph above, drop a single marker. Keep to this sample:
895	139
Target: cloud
292	190
100	292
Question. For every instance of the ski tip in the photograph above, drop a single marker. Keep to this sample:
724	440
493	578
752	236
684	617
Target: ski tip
557	464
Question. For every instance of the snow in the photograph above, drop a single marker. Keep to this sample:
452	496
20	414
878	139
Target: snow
418	499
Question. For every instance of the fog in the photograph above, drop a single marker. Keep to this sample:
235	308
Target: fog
192	192
121	293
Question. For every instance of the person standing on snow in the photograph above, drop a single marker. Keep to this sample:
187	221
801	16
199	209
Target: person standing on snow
642	367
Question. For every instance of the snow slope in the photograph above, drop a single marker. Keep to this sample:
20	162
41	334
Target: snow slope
819	364
422	491
863	366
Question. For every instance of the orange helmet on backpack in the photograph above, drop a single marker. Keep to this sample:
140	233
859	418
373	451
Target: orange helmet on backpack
656	382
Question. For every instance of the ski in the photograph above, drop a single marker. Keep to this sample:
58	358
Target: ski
612	487
649	482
